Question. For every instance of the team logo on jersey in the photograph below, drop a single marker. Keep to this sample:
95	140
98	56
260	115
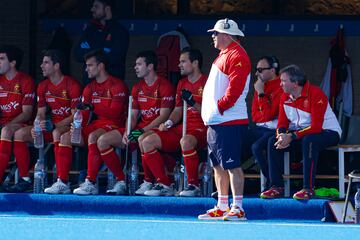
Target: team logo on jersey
156	93
239	64
64	93
142	99
306	103
48	93
320	101
200	91
17	88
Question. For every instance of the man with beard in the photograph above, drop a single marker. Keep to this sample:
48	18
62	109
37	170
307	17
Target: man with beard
104	32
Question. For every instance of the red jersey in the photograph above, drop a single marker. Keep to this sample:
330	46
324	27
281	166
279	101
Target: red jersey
109	98
265	110
194	119
60	98
149	99
14	94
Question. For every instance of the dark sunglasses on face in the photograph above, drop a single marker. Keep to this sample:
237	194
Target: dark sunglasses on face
214	34
260	70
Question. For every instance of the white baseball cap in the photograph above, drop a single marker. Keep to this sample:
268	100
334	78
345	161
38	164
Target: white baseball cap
227	26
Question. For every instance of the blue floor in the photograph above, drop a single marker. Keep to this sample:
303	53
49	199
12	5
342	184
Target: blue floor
17	226
30	216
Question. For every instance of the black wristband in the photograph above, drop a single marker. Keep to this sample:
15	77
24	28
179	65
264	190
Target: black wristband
293	136
261	95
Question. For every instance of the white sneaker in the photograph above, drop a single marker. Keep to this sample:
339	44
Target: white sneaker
86	188
145	186
118	189
58	188
191	191
160	190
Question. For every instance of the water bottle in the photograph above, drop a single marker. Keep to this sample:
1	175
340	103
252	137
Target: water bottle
76	134
110	179
357	206
134	178
177	176
207	178
39	139
39	176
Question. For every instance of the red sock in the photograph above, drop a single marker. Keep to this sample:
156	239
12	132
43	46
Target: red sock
112	161
5	152
191	160
22	155
169	161
156	164
56	150
148	176
94	162
63	161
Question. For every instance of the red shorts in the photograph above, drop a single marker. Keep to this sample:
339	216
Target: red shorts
107	125
170	140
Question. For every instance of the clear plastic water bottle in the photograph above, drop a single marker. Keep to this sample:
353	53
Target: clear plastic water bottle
39	176
177	176
357	206
110	180
134	178
39	139
76	134
207	178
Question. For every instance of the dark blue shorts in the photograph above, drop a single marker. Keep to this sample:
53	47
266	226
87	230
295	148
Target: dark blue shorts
225	145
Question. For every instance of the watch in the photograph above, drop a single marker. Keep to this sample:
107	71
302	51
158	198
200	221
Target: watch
261	95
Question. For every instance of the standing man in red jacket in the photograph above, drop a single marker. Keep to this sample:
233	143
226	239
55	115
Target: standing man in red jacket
305	120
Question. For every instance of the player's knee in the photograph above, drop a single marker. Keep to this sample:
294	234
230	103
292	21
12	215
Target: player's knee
6	132
65	139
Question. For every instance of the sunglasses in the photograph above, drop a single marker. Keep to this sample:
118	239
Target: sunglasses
214	34
260	70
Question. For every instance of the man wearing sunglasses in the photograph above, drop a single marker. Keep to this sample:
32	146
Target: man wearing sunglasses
265	109
225	114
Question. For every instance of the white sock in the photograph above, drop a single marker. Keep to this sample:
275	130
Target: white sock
223	202
238	200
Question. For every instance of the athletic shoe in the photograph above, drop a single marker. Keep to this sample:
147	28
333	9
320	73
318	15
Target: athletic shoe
118	189
145	186
236	214
303	194
59	187
214	214
86	188
21	186
191	191
160	190
273	192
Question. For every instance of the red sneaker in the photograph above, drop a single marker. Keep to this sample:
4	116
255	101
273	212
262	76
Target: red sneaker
303	194
236	214
213	214
273	192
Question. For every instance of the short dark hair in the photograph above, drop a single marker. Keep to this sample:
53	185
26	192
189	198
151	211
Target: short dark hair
110	3
99	55
149	56
296	74
273	62
194	54
13	53
56	56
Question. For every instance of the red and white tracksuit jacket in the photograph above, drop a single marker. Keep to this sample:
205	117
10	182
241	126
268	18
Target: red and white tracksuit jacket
310	113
